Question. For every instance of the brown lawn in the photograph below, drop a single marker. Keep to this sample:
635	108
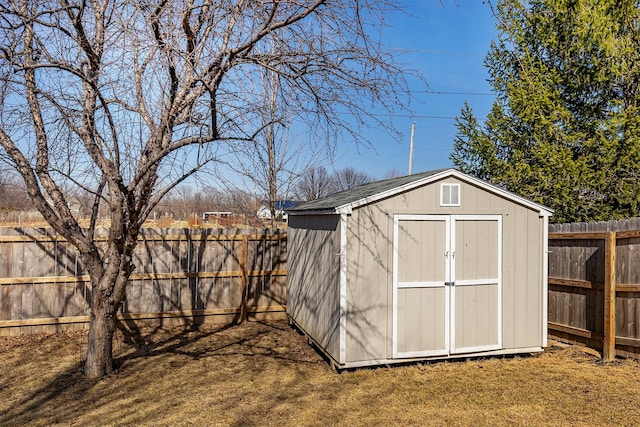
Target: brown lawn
266	374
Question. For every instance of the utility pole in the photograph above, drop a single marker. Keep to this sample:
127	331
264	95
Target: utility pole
413	128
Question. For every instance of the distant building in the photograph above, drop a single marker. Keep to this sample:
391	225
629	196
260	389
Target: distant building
281	207
208	216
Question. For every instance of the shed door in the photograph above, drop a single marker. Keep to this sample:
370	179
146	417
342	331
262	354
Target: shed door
476	291
446	284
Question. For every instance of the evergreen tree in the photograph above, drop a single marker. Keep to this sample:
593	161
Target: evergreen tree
564	129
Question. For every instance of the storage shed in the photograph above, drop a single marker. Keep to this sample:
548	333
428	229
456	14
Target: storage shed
427	266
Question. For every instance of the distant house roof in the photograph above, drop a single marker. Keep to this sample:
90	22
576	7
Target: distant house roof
283	205
345	201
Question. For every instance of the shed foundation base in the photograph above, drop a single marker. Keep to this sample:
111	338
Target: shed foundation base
336	365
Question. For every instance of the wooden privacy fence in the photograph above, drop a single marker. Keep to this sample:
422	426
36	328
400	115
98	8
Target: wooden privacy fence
594	285
181	275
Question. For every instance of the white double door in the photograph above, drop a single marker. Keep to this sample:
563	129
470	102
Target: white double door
447	288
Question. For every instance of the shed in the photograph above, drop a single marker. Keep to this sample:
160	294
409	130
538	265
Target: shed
433	265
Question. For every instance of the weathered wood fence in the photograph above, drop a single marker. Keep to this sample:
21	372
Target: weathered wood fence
196	276
181	275
594	285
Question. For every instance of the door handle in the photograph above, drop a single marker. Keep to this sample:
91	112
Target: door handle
449	283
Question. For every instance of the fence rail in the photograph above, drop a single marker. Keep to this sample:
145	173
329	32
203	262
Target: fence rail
224	275
594	285
180	276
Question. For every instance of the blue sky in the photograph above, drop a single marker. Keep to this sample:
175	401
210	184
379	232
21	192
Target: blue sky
447	41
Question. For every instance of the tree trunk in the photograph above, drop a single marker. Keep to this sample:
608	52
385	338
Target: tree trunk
272	209
102	326
99	346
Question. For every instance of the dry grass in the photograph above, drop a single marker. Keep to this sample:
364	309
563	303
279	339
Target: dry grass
266	374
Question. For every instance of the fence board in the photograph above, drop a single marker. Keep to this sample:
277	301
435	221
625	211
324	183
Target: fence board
577	271
198	273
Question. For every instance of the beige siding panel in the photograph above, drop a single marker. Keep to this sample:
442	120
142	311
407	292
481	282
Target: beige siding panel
521	284
369	286
510	315
534	277
476	315
422	248
426	200
421	319
520	305
476	250
472	199
313	287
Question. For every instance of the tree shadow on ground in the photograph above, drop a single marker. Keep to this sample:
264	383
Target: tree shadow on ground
69	395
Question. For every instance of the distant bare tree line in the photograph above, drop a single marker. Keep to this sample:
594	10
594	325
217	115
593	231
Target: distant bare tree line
319	182
188	200
13	195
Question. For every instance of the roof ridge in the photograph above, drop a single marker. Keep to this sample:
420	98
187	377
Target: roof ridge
363	191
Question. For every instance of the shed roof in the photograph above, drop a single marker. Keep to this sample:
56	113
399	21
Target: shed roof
345	201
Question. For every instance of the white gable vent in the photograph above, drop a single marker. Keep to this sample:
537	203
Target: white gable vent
450	195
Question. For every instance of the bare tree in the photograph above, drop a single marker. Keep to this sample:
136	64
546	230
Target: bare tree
126	99
13	195
350	177
273	162
185	200
392	173
315	183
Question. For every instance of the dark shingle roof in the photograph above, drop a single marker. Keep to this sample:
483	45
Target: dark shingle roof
361	192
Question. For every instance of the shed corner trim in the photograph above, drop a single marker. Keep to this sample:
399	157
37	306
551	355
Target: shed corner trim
343	288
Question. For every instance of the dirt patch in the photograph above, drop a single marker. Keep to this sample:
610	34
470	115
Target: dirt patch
266	374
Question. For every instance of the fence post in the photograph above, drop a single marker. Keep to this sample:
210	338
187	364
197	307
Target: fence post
245	278
609	344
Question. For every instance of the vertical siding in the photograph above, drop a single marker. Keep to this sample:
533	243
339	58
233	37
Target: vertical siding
369	258
476	316
510	274
522	278
421	327
476	250
420	251
369	263
535	307
476	306
313	288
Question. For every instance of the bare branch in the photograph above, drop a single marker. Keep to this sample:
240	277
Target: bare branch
120	101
